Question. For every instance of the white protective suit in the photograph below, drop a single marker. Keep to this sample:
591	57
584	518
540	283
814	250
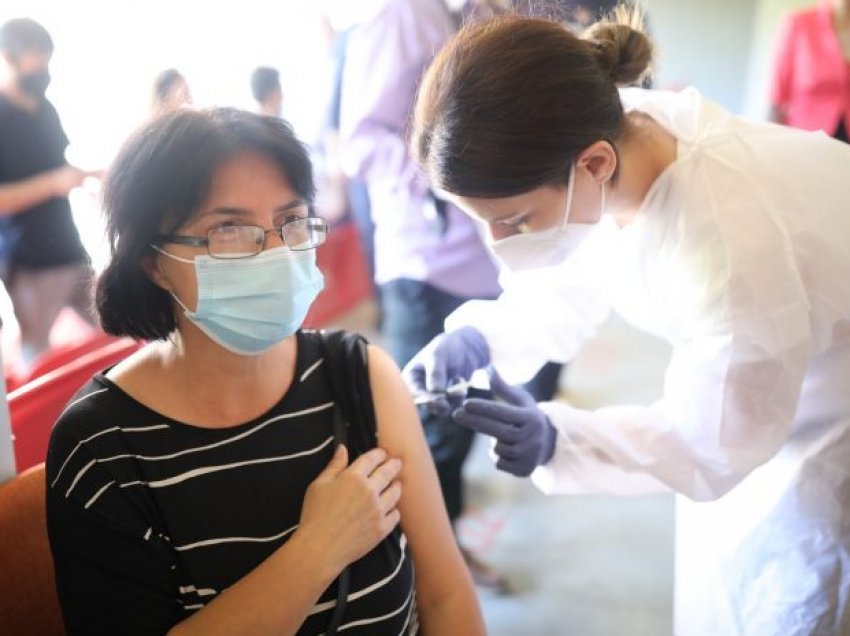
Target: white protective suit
740	258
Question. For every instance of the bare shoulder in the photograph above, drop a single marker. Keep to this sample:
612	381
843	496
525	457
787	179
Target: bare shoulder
397	418
385	377
380	363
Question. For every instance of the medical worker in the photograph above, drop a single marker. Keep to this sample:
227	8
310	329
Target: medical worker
728	238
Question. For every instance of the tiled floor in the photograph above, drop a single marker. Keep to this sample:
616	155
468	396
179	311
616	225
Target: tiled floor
577	565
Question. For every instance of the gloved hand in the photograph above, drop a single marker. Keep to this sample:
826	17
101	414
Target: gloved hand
448	358
525	438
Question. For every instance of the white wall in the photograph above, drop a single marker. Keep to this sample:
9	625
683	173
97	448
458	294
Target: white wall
723	47
108	53
704	44
769	14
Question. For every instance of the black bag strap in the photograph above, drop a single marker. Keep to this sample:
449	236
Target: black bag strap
346	360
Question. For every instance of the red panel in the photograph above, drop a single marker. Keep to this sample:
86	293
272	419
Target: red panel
347	278
34	407
61	355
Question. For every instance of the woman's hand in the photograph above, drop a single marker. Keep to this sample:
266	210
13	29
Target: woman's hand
65	179
348	510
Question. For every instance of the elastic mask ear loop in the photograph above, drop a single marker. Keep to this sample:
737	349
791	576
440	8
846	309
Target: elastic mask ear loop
191	261
179	302
602	204
182	260
570	188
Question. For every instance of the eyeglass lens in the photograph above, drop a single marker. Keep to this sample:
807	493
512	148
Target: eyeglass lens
240	241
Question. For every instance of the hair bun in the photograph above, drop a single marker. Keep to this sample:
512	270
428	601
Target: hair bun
622	49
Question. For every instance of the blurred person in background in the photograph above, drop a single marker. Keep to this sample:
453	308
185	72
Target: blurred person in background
170	92
476	10
580	14
267	92
429	256
42	260
356	192
811	76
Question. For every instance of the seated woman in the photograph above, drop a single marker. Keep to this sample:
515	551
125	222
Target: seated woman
194	488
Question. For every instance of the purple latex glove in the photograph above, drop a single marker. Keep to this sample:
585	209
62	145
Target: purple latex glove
525	438
448	358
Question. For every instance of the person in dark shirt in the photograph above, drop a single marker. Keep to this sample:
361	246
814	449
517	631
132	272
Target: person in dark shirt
195	487
42	261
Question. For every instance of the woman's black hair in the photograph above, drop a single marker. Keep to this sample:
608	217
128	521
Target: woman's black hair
158	182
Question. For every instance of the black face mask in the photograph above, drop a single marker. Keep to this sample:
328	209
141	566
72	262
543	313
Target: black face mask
35	84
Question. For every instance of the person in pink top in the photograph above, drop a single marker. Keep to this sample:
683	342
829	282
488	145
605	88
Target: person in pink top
811	78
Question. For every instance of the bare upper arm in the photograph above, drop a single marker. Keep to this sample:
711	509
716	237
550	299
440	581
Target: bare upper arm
439	565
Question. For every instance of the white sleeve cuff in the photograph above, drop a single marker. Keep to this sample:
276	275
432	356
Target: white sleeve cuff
578	467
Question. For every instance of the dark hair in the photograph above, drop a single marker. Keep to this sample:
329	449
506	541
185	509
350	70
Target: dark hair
158	182
508	104
164	82
263	81
23	35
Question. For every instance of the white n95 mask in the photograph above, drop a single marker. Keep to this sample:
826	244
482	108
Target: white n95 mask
248	305
550	247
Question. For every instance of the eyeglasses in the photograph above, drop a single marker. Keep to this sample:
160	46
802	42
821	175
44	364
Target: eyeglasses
245	241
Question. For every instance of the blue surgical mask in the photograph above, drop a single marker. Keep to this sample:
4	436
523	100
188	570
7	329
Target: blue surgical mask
248	305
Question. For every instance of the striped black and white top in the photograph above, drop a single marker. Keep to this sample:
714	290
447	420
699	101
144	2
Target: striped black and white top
149	518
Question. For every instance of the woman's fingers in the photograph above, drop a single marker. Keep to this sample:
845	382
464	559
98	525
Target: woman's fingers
391	521
367	463
384	474
377	469
390	497
337	464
